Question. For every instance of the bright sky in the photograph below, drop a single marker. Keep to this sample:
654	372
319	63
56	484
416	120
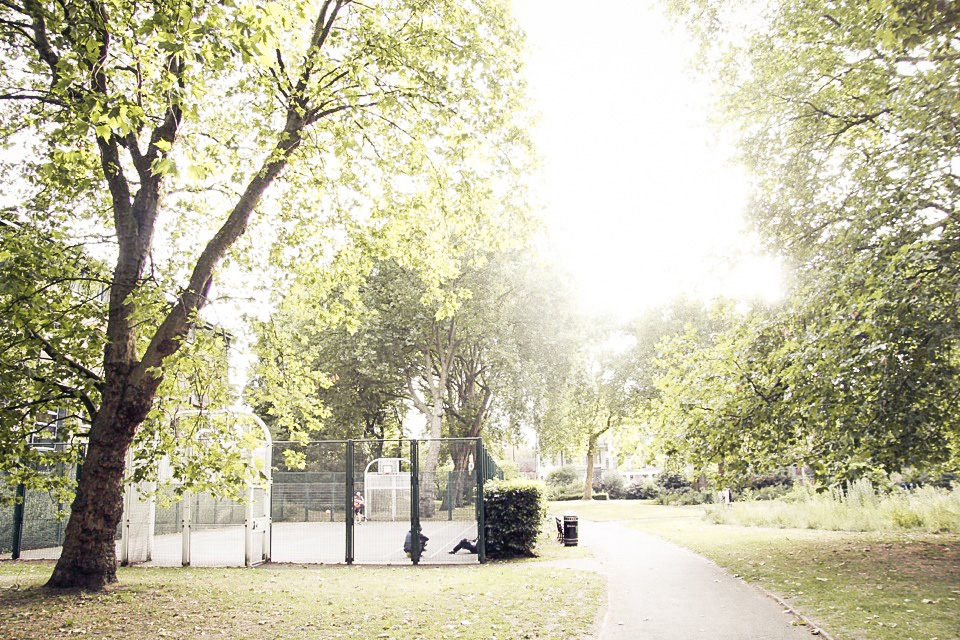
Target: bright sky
640	203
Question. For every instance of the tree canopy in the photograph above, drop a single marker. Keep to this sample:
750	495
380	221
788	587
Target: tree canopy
846	115
484	364
157	131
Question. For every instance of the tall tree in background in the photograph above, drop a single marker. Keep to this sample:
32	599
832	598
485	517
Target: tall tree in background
595	401
480	367
717	399
164	124
518	331
847	117
649	332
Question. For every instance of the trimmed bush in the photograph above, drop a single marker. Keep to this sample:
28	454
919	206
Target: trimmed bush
513	512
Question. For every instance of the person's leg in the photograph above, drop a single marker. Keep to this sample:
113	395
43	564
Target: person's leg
460	545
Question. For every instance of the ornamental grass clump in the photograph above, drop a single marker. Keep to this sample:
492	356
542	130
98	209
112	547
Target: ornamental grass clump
857	507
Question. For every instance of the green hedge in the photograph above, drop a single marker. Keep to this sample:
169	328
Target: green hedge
579	496
513	512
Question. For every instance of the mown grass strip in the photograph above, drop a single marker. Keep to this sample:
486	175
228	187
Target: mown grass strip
501	601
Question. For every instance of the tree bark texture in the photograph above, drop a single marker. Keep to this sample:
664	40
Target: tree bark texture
437	361
592	441
88	559
588	481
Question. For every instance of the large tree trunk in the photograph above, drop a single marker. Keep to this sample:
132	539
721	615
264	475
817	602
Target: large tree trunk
434	415
588	481
88	559
463	453
437	360
462	456
428	472
428	487
592	441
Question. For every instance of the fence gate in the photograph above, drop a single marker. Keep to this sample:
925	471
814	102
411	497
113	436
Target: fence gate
313	514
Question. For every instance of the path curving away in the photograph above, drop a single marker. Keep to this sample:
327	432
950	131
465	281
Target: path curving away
659	591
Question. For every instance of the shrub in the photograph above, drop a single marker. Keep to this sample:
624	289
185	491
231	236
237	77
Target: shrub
562	477
912	478
563	492
768	492
672	481
641	490
685	496
513	513
613	485
782	479
946	480
510	469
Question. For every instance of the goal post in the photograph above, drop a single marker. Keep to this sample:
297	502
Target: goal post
386	488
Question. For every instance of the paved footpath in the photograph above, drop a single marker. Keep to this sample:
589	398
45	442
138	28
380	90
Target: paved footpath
659	591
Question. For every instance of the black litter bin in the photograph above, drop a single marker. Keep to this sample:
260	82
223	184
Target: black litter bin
569	531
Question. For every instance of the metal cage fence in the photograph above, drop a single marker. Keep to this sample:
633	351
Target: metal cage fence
310	511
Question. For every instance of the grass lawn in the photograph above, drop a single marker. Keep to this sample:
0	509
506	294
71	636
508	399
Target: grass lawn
492	601
871	586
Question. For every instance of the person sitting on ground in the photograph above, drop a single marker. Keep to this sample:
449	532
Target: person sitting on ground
408	543
470	546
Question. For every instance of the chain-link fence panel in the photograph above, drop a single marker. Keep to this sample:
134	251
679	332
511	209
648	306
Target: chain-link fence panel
309	502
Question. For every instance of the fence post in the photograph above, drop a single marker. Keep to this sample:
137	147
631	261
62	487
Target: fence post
414	502
185	524
18	521
480	468
348	502
450	481
248	525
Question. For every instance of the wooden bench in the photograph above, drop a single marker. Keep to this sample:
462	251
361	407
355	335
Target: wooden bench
559	529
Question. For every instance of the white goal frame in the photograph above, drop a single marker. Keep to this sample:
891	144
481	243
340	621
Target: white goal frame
388	477
139	503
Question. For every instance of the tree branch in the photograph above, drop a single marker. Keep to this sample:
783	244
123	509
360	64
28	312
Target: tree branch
33	9
69	392
57	356
34	97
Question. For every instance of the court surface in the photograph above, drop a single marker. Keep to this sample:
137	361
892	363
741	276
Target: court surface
307	543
